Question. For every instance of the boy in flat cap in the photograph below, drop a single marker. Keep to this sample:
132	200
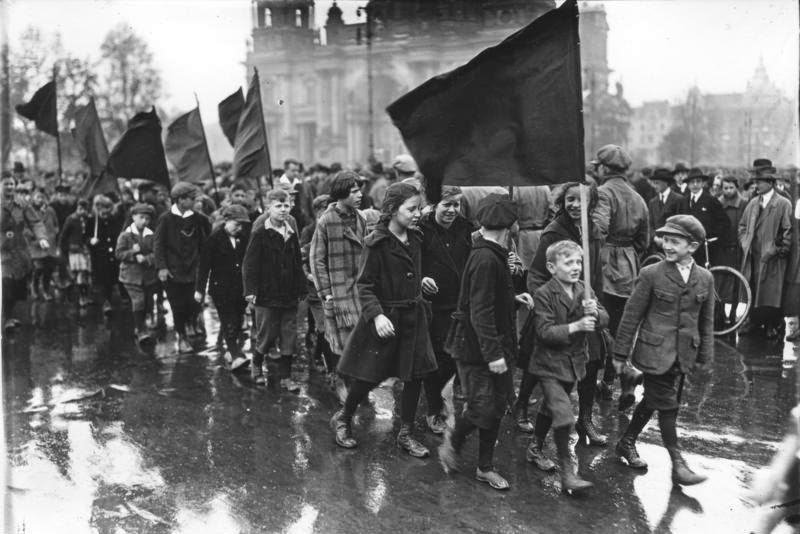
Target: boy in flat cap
137	270
220	269
672	306
483	338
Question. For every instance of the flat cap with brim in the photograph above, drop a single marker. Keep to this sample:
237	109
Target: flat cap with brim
663	174
685	226
613	157
404	163
183	189
496	212
696	173
237	213
143	208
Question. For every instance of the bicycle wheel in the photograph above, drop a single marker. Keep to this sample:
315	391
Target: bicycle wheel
733	299
652	259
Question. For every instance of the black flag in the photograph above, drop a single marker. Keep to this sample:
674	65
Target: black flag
230	110
187	150
250	151
42	109
512	116
140	153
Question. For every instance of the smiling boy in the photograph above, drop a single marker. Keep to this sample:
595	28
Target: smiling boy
672	306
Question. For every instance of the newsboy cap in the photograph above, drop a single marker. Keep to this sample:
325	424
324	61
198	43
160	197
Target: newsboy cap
496	212
143	208
685	226
183	189
663	174
404	163
237	213
763	169
613	157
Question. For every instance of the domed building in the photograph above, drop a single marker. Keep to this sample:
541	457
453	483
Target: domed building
318	83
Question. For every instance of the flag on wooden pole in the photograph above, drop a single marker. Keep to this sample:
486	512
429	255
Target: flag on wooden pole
140	153
42	109
229	111
88	135
250	152
512	116
186	148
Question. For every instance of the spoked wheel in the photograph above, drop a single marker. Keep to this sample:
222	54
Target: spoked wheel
652	259
733	299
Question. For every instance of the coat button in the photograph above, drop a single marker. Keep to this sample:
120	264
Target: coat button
409	275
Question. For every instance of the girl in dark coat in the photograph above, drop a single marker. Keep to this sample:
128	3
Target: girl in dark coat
391	337
102	231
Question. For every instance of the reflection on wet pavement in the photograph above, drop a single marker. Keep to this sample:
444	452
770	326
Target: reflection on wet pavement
103	439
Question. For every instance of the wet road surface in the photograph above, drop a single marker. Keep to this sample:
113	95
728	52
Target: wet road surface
103	439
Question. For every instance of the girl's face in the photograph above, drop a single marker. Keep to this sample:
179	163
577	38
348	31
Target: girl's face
572	203
407	215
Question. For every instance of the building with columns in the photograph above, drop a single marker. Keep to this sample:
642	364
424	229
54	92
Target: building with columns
325	90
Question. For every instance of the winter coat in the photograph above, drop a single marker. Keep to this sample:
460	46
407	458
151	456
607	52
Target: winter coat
334	258
272	269
709	212
15	220
220	267
622	220
444	255
131	271
484	327
50	220
178	241
105	266
390	283
766	241
73	235
559	354
675	320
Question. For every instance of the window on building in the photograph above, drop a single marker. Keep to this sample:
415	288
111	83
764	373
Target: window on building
298	18
267	18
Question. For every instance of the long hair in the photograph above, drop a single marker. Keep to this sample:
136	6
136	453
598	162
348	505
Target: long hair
560	199
396	194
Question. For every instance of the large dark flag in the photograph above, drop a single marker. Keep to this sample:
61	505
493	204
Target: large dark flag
250	152
230	110
139	153
42	109
511	116
88	135
186	148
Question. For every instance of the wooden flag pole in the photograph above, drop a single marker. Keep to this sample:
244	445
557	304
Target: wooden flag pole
58	137
208	152
587	278
264	134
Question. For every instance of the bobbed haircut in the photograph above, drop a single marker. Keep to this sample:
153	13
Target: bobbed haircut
342	183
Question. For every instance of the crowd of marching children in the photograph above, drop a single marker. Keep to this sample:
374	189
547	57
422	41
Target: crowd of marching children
472	287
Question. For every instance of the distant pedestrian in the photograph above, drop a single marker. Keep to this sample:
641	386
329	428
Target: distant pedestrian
665	203
75	245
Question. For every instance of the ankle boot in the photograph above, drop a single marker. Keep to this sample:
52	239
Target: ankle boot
587	432
570	481
524	423
681	474
407	442
626	450
343	431
535	455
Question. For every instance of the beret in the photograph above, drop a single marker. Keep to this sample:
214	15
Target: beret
496	212
143	208
182	189
236	212
614	157
685	226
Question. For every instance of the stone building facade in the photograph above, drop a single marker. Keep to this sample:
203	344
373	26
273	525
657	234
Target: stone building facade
316	81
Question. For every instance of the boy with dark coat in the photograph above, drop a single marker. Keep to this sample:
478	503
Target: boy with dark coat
137	270
483	339
220	268
672	307
102	230
274	282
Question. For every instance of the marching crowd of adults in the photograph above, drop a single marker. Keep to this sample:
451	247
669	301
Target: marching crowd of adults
384	276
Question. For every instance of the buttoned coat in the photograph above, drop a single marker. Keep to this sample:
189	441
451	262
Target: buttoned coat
220	267
709	212
559	354
675	319
131	271
676	204
443	262
622	219
773	234
390	283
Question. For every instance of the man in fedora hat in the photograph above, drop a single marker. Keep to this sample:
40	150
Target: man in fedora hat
765	233
680	173
706	209
665	203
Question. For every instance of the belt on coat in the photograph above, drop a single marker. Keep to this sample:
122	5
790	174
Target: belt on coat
403	303
619	242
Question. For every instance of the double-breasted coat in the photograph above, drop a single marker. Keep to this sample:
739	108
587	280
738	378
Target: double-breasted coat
390	283
675	319
766	237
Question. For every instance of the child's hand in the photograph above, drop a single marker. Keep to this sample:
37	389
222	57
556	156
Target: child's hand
383	326
136	248
139	258
525	299
590	307
498	366
429	286
586	324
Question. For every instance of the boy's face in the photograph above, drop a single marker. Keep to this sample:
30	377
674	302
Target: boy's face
729	190
678	248
140	220
567	267
354	200
239	197
279	210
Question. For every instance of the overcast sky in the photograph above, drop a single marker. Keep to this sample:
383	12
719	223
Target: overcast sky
656	48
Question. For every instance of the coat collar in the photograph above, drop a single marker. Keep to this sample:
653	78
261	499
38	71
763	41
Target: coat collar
175	211
555	288
671	270
735	203
145	231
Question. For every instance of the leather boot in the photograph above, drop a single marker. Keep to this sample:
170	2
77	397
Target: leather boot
524	424
407	442
535	455
586	430
570	481
604	391
681	474
343	431
626	449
